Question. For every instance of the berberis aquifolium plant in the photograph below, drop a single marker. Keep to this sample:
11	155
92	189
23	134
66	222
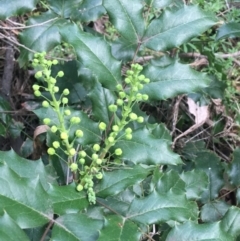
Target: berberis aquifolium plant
98	154
106	71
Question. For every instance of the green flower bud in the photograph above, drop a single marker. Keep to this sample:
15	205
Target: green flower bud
75	120
128	136
46	121
82	161
139	67
141	77
64	100
135	88
72	152
35	61
133	116
122	94
45	104
115	128
56	144
118	152
130	72
94	156
66	92
111	139
79	187
60	74
67	112
99	161
99	175
38	75
140	119
138	97
74	167
52	80
96	147
128	130
119	87
79	133
119	102
64	136
51	151
55	90
112	108
102	126
35	87
82	153
54	62
54	129
146	80
127	80
145	97
37	93
140	86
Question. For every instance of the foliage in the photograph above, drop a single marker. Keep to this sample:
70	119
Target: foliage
110	172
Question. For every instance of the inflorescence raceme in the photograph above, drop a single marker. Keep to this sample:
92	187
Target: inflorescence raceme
87	173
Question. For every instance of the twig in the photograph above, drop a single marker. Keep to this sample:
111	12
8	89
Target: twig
47	230
225	56
30	26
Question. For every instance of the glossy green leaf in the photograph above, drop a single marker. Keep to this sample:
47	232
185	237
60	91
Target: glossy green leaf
41	38
9	229
28	169
76	227
90	10
101	98
230	222
199	232
146	148
228	30
13	8
66	199
173	80
24	198
213	211
196	182
174	28
234	168
161	208
64	8
210	163
94	53
119	229
118	180
161	3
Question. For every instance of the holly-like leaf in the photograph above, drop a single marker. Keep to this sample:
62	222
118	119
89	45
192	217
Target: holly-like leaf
13	8
9	229
174	28
228	30
199	232
23	199
118	180
173	80
146	148
66	199
161	3
234	168
94	53
213	211
161	208
76	227
118	228
192	180
90	10
40	38
101	98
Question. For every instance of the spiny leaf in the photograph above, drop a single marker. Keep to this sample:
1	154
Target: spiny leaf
119	229
174	28
23	199
229	30
94	53
9	230
173	80
118	180
199	232
13	8
159	208
146	148
76	227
